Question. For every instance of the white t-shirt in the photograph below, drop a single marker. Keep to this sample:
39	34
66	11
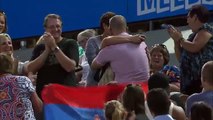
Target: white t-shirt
21	66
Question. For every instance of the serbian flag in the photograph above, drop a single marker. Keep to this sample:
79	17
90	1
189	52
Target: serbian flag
78	103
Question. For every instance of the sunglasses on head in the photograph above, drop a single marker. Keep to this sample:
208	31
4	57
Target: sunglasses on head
133	85
2	12
6	35
161	45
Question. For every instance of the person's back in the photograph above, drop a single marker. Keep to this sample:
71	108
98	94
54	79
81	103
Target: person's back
206	96
15	98
18	99
133	101
93	46
158	101
114	110
159	80
207	82
129	61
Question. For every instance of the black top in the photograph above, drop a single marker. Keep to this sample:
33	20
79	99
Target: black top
52	71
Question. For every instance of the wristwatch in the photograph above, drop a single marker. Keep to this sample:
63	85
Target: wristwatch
56	49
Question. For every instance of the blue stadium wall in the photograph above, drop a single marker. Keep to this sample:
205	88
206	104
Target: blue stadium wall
25	17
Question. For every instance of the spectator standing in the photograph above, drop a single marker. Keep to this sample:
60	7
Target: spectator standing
82	39
93	45
207	94
18	99
194	52
128	61
56	58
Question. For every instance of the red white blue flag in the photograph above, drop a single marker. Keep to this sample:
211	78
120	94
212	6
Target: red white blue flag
78	103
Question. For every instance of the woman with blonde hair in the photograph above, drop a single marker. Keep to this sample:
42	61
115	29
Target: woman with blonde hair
114	110
82	39
6	45
7	48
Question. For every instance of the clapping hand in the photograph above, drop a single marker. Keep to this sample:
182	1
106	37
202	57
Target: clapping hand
175	34
49	41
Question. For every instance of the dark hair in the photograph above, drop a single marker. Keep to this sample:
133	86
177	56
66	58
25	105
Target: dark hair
158	80
202	13
162	49
201	111
2	13
133	99
105	20
51	16
158	101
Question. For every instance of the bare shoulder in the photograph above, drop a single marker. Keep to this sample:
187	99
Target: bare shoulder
204	34
178	113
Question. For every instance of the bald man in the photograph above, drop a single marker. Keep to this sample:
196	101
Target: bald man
128	61
207	82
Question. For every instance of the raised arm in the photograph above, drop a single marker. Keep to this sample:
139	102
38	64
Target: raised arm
69	60
196	45
177	48
198	42
38	60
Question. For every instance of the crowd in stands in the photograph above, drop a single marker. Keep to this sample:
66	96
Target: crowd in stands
112	57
